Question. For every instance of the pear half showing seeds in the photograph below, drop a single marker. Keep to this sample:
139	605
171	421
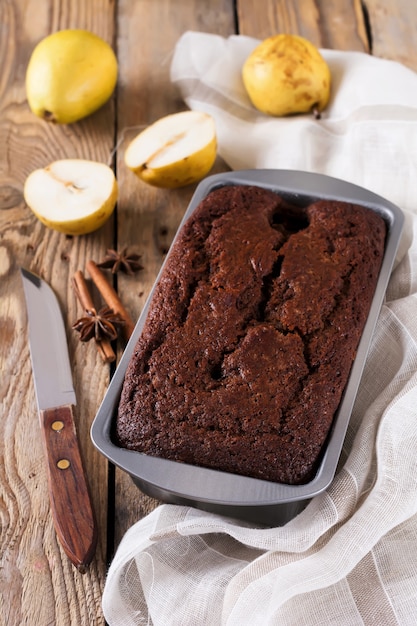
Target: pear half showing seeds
72	196
174	151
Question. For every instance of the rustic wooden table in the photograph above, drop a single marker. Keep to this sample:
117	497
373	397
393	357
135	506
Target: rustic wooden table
38	585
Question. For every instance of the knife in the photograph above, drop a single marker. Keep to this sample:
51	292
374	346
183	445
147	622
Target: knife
71	505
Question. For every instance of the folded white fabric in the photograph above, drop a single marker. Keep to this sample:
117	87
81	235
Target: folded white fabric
366	135
351	556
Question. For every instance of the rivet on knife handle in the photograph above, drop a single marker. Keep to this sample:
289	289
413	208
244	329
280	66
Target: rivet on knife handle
70	499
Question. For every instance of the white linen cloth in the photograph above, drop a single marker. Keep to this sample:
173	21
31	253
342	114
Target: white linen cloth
350	557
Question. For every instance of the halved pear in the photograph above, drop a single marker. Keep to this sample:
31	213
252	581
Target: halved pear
174	151
73	196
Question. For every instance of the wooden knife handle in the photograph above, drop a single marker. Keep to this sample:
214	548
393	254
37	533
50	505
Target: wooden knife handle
68	489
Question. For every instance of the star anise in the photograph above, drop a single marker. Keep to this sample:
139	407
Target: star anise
127	262
98	325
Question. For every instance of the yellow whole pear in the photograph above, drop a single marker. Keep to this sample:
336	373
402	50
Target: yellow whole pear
70	74
286	74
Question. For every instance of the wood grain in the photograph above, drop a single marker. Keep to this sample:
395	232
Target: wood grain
38	585
33	565
69	491
393	28
148	217
339	24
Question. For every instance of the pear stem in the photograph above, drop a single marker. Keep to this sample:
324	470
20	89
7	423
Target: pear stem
48	116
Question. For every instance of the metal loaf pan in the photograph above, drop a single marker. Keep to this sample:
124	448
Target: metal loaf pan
251	499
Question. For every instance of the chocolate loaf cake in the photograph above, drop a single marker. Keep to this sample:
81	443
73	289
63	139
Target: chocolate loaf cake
251	334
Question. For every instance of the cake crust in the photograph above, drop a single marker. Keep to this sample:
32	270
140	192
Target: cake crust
251	334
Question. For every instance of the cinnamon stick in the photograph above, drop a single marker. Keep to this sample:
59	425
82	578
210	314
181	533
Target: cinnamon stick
81	291
110	296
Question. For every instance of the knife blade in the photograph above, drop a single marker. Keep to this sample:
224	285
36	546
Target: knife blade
69	494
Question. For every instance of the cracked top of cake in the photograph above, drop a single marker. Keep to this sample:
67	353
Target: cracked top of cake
251	334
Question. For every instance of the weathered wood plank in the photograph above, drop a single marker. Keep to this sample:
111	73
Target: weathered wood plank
148	217
37	583
337	24
393	27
